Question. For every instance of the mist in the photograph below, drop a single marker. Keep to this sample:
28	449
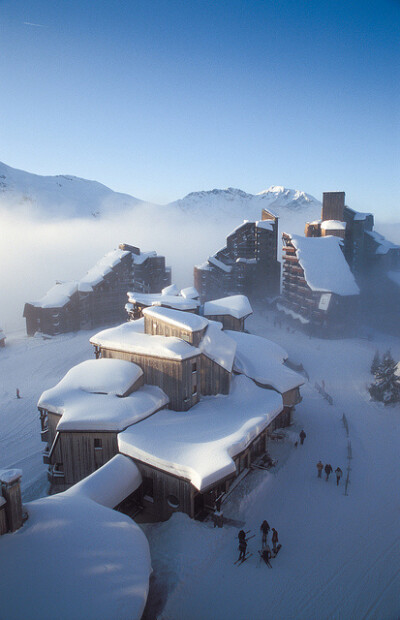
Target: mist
35	254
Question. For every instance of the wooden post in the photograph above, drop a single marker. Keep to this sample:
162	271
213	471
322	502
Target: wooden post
11	490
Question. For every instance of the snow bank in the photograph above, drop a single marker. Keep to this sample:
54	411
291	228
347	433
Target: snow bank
254	359
185	320
111	484
74	559
124	338
217	345
383	244
237	306
324	265
200	444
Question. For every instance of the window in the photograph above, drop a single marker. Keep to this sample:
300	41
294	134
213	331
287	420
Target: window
173	501
98	443
194	390
194	367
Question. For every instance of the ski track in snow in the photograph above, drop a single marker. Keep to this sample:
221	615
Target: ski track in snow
340	557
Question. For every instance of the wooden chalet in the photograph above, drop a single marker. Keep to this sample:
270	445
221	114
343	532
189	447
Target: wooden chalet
83	414
231	311
247	265
99	297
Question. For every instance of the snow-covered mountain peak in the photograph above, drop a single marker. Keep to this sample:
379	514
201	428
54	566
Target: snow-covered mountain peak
60	196
278	192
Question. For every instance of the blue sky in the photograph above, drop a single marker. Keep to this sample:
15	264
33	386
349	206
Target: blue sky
160	98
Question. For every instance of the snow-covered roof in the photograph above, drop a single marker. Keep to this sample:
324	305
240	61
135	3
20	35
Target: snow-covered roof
110	484
59	295
105	376
218	263
185	320
157	299
87	398
203	266
218	346
257	345
324	265
257	359
237	306
172	289
383	244
101	269
249	261
358	215
124	338
200	444
139	259
74	558
333	225
266	224
9	476
190	292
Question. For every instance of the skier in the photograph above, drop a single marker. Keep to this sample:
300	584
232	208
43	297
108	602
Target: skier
242	547
17	392
264	529
328	470
302	436
320	467
339	474
274	540
266	555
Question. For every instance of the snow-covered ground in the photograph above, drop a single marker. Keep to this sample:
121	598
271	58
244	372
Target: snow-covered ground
340	554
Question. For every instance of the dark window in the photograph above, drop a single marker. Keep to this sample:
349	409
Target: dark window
194	367
194	390
98	444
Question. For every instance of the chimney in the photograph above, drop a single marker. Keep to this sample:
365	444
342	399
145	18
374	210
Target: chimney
332	206
11	492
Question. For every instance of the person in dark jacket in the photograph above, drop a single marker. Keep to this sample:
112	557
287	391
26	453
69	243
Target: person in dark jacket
264	532
320	467
302	436
266	555
328	470
242	548
274	539
339	474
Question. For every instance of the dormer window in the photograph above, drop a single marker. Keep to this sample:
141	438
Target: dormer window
98	444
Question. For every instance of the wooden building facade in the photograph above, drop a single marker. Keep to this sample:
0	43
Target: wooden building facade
99	297
247	265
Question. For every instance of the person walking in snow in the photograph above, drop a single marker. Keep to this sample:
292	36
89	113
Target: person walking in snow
328	470
264	531
302	436
320	467
266	555
339	474
274	540
18	394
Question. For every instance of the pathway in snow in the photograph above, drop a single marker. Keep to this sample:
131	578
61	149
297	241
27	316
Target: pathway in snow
340	555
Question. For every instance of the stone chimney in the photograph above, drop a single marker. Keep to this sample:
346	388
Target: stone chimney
10	480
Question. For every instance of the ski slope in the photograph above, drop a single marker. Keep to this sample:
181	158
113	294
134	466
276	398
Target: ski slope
340	555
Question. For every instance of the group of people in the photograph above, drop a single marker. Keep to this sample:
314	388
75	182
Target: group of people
328	469
266	550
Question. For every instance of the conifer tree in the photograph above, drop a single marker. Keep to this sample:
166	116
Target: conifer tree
375	363
386	387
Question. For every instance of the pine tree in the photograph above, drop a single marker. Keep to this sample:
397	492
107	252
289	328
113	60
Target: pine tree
375	363
386	387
